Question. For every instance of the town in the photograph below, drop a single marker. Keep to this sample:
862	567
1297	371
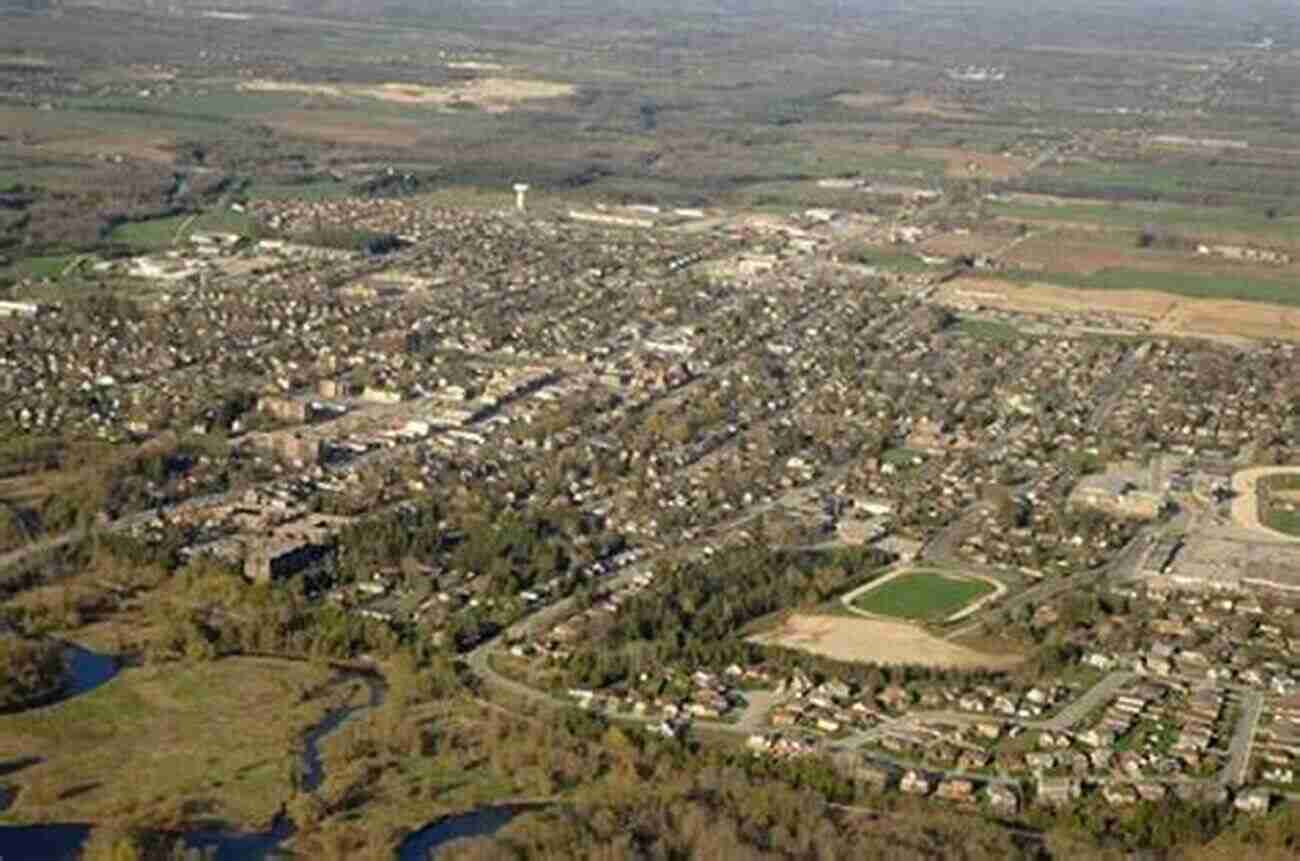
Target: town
684	385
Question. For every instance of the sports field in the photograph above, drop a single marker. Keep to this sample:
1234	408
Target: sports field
922	595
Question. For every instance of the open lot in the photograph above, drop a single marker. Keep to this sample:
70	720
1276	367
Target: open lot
921	595
494	95
877	641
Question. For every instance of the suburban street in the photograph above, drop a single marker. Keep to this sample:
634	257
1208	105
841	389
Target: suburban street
1243	736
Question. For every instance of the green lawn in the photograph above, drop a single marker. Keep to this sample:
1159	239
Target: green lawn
40	267
922	595
154	235
989	330
1284	521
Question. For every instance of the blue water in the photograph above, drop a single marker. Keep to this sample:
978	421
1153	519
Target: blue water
237	846
63	843
86	671
46	842
480	823
313	772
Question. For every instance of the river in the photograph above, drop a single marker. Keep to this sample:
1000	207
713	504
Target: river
89	670
59	841
483	822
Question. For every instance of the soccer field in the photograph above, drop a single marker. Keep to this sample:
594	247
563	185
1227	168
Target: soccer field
922	595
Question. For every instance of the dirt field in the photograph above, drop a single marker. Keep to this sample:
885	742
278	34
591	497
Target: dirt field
1164	314
865	100
878	641
1048	299
919	105
336	127
954	244
494	95
964	162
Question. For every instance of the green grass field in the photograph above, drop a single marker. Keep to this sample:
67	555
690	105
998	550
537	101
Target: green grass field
989	330
1284	521
39	267
922	595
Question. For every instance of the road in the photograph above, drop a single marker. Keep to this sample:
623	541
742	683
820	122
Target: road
1243	736
16	558
1129	557
1099	694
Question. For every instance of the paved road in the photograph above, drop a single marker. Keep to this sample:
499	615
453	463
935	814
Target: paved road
1125	562
1243	736
1076	711
1065	719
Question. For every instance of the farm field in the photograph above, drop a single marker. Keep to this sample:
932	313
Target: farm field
1190	285
1138	310
1225	223
922	595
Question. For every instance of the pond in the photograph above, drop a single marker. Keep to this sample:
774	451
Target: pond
87	670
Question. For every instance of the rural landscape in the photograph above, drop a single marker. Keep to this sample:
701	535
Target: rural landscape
721	429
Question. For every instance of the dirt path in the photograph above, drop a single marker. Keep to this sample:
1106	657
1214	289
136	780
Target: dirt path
1245	502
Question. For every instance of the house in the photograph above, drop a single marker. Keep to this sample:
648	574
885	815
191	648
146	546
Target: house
1151	791
973	760
1002	799
1058	791
1253	801
861	770
894	697
1097	737
1118	794
956	790
915	783
18	309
